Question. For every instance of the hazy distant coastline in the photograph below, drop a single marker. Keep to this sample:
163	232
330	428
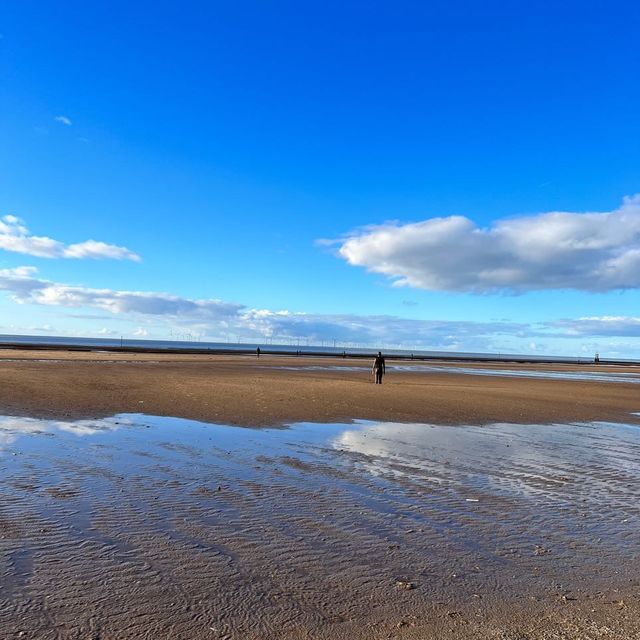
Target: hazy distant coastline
65	343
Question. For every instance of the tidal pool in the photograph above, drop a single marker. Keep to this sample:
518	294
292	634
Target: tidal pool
137	526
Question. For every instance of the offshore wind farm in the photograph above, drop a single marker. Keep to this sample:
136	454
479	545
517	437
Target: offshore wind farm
188	343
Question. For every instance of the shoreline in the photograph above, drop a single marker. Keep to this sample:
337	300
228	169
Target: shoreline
349	354
272	390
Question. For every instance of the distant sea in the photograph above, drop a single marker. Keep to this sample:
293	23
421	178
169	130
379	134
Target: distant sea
116	344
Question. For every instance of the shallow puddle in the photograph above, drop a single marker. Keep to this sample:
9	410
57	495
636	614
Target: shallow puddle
144	527
593	376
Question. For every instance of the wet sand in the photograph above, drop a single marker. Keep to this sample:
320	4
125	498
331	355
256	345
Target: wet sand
142	527
483	508
257	392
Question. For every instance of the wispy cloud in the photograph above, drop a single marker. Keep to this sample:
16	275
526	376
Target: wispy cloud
216	318
596	251
628	326
26	287
63	120
14	236
154	313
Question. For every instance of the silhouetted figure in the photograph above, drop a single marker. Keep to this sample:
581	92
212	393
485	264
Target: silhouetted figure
597	358
258	352
379	368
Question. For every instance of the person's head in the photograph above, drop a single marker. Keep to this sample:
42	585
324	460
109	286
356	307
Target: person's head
379	353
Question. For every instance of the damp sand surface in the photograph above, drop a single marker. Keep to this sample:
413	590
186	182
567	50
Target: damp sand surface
142	527
271	390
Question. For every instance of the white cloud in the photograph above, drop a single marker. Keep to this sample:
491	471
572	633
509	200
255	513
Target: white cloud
14	236
382	329
45	328
152	313
599	326
63	120
99	250
219	319
27	288
558	250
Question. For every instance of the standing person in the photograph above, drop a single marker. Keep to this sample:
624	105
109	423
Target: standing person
379	368
258	352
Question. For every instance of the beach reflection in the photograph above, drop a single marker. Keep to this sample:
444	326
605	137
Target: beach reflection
567	464
582	376
168	510
558	461
13	427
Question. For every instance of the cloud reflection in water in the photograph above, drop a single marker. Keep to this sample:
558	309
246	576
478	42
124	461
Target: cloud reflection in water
13	427
534	461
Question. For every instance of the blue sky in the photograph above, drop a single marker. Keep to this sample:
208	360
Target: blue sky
278	169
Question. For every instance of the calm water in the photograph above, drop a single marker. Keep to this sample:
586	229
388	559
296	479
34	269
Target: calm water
451	463
148	527
593	376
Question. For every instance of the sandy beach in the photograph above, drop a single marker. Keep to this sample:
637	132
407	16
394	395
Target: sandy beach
439	505
247	391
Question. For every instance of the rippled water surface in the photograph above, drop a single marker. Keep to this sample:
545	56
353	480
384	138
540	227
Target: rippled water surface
593	376
144	527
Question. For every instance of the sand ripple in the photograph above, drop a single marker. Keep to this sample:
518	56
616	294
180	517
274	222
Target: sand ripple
144	528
